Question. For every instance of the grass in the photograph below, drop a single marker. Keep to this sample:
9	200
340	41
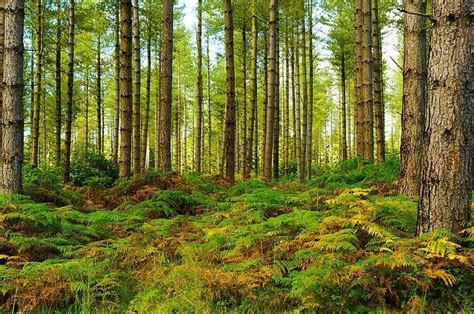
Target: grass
344	240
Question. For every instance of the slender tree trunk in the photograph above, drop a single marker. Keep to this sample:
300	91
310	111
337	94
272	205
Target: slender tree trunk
378	84
137	90
177	130
245	165
58	117
299	159
70	92
367	66
293	94
126	89
287	99
198	119
265	99
309	144
304	130
2	50
87	111
99	98
276	122
359	105
271	86
157	107
253	92
229	139
117	35
445	196
166	86
35	132
414	98
144	145
344	105
12	109
45	127
209	117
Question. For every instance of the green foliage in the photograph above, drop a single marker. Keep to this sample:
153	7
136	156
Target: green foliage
92	169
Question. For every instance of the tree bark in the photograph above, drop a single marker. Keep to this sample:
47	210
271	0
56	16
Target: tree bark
414	98
287	100
35	131
445	195
117	35
144	145
166	86
304	130
276	123
137	90
12	118
87	111
344	105
70	93
379	110
309	144
229	138
126	89
198	119
359	104
58	99
299	159
100	147
209	116
245	165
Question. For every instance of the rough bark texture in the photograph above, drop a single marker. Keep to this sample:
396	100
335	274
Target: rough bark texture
276	123
366	76
358	108
209	109
58	100
445	195
137	89
115	139
12	119
414	98
100	139
304	113
309	144
70	92
126	89
229	137
272	78
379	113
344	114
166	78
287	100
35	130
253	91
299	159
87	111
245	166
198	119
2	49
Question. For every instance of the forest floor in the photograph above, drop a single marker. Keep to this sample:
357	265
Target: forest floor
341	242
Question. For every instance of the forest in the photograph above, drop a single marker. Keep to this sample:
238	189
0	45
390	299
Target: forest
236	156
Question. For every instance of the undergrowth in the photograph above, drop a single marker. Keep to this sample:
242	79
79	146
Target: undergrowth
159	243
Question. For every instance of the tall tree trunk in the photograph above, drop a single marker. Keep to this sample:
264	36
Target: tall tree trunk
45	127
87	111
265	98
272	77
287	99
117	35
12	110
35	132
276	121
309	138
2	49
70	92
209	118
293	93
144	145
344	105
100	148
253	92
299	159
245	165
445	195
414	98
379	113
137	90
58	99
367	67
166	86
177	130
229	138
126	89
198	119
304	130
359	104
157	105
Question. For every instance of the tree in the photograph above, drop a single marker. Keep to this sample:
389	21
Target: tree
309	149
144	145
379	113
366	77
272	79
35	128
414	98
117	36
70	92
166	78
445	196
100	140
229	136
12	110
198	117
126	89
137	90
58	88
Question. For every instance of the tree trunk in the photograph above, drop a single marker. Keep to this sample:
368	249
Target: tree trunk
271	86
198	120
166	86
414	98
100	148
378	84
70	92
229	138
265	98
87	111
209	118
304	130
157	105
287	100
299	159
58	117
126	89
117	35
144	145
276	122
245	165
137	90
445	195
35	131
367	99
309	144
344	105
359	105
252	137
12	118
